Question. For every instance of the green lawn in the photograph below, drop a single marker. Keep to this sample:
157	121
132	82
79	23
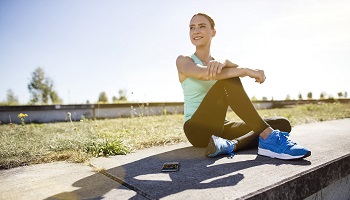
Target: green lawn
79	141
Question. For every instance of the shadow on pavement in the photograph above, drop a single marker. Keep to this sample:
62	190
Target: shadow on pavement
196	172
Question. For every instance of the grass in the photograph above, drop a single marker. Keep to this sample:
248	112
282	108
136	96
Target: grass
79	141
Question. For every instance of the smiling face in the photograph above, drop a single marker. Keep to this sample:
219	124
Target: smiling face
201	31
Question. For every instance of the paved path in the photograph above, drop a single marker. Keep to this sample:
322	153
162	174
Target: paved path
138	175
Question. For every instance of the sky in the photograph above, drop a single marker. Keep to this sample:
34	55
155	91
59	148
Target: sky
89	46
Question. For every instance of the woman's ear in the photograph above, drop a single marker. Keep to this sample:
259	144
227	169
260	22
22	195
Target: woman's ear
214	32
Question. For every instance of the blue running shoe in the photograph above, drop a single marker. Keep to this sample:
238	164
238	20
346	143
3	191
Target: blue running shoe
278	145
218	146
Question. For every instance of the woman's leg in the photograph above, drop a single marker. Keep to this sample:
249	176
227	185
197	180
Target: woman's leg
210	116
245	137
241	104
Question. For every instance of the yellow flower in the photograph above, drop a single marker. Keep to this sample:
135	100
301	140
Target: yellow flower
21	115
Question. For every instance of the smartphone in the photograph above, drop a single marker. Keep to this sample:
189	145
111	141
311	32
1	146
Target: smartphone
170	167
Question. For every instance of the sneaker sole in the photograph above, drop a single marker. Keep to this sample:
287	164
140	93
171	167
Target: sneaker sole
282	156
210	148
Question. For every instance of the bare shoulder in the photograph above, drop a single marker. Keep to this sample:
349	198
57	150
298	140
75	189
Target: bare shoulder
181	59
182	62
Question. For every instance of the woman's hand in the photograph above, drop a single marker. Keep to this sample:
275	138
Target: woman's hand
214	68
257	74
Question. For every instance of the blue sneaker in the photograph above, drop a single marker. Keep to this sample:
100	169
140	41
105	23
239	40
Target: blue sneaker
278	145
218	145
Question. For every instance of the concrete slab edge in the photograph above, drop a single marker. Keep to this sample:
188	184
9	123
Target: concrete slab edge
122	182
305	184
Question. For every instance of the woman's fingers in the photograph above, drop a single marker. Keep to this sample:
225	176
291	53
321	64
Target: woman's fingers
211	69
261	76
214	68
222	65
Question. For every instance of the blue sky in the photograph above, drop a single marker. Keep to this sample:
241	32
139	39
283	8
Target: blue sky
87	47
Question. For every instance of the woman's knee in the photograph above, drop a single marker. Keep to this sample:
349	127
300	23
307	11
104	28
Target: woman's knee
196	135
197	140
280	123
199	143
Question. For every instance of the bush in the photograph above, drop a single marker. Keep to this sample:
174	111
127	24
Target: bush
105	147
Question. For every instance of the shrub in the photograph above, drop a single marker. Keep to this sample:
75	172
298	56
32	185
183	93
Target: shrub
105	147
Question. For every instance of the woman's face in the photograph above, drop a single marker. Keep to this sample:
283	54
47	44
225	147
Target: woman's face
201	32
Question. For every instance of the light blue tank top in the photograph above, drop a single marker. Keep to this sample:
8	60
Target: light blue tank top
194	91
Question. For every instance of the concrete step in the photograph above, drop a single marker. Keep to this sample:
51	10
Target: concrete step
323	175
247	175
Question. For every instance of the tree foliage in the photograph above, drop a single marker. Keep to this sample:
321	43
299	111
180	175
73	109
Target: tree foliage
300	96
103	98
323	95
254	98
11	99
114	99
309	95
41	88
122	95
288	97
340	95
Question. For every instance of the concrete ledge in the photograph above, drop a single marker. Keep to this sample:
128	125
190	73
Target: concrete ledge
323	175
307	183
246	176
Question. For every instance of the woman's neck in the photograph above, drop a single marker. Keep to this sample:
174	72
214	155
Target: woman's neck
203	54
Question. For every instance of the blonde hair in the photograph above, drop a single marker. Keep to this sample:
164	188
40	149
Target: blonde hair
211	21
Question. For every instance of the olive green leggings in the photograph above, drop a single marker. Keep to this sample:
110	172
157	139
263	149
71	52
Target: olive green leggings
209	118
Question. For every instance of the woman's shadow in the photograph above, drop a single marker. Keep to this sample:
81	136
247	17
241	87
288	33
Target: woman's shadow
196	172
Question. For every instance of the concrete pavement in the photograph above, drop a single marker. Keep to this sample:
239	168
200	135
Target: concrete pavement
138	175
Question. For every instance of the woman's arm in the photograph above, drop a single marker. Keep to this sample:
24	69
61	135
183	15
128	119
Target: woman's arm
187	67
225	73
215	70
218	71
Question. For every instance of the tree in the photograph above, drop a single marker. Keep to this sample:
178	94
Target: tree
103	98
309	95
264	98
254	98
340	95
122	95
345	94
11	99
288	97
114	99
41	88
55	98
300	97
323	95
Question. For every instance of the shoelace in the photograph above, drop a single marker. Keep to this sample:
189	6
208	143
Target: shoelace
283	138
229	148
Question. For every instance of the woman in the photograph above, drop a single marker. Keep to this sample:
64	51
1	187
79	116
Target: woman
209	87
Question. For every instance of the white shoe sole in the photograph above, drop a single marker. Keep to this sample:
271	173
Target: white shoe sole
268	153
